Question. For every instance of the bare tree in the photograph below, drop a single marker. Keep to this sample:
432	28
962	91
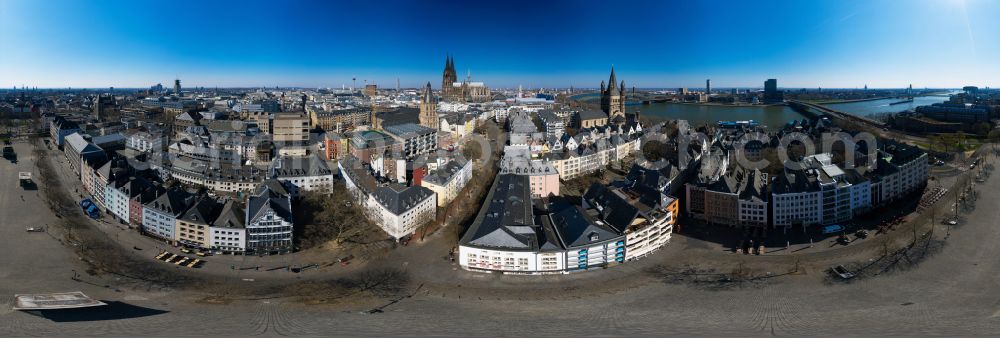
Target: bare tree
337	217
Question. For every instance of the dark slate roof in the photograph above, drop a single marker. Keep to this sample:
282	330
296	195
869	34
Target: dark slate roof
103	140
400	116
135	186
355	171
794	181
505	221
363	139
398	199
444	173
231	216
576	228
405	130
549	116
312	165
652	178
65	124
900	153
270	195
172	201
274	185
755	186
611	208
592	114
204	211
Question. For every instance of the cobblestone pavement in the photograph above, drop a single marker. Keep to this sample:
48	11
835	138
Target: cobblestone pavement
952	292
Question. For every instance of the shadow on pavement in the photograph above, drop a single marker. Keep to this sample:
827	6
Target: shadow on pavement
113	311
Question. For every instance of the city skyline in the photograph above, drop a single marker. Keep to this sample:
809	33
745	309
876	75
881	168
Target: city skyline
664	45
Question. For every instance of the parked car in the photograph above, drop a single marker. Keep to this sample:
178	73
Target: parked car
90	208
861	234
842	272
35	229
843	240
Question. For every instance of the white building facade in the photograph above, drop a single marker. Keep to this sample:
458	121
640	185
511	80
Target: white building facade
226	239
399	214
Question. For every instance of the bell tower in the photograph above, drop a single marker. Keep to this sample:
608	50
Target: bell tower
428	109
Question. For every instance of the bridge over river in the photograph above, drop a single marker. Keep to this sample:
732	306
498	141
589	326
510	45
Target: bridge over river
812	108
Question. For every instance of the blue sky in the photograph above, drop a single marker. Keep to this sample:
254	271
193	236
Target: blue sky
845	43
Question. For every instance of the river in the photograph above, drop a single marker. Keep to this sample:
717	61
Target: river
868	108
697	114
773	117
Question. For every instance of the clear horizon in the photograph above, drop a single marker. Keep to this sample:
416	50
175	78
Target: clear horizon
170	85
828	44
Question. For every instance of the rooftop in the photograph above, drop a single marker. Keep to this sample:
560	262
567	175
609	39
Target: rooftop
408	129
505	221
398	199
445	173
290	166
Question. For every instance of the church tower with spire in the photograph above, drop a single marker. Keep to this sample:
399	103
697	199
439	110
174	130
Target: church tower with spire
448	90
428	109
613	98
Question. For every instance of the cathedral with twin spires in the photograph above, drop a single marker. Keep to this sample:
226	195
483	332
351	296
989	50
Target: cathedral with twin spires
466	91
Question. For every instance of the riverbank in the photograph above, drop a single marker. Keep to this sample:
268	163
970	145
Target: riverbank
848	101
718	104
